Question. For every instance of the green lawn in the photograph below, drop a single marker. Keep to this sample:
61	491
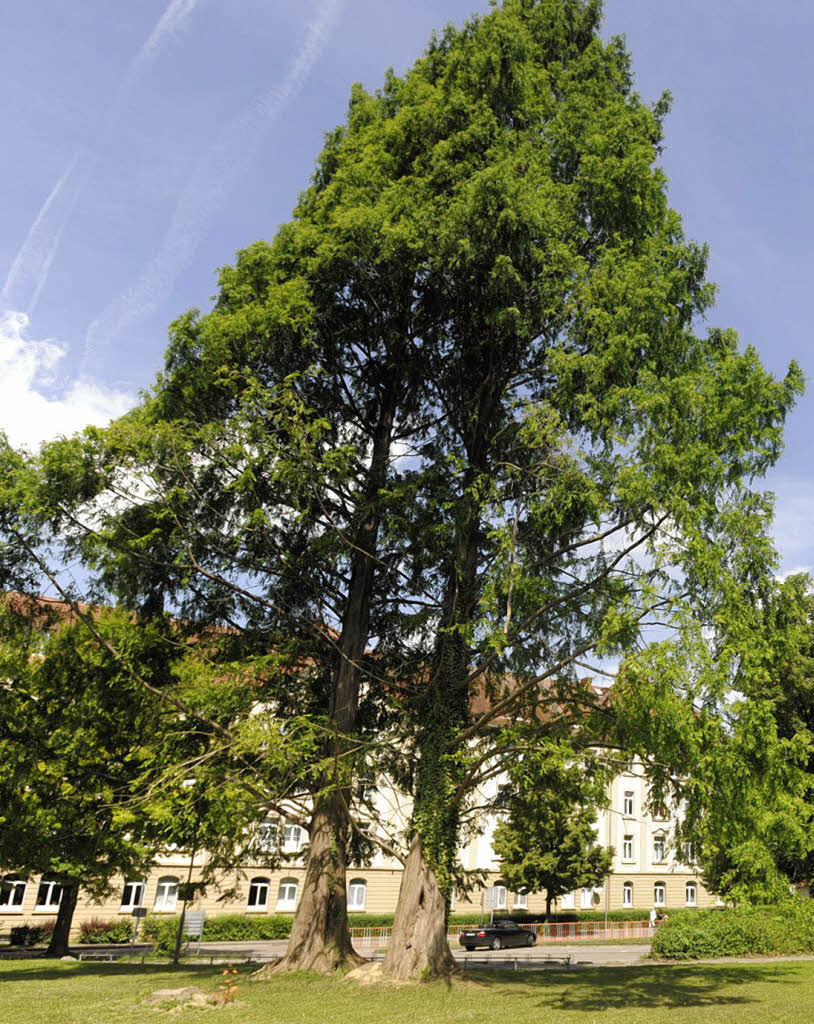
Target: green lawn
38	992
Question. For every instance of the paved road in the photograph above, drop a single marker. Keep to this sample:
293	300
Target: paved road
601	953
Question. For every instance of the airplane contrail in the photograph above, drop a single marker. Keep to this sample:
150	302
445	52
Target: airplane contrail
32	264
215	178
29	271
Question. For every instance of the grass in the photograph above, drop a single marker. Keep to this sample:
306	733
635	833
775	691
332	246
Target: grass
779	992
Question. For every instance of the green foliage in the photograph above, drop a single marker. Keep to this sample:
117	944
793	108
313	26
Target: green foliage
547	839
32	934
99	931
784	928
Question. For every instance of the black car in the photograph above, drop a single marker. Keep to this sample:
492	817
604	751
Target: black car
499	935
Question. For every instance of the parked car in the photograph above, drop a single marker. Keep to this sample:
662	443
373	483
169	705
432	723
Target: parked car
499	935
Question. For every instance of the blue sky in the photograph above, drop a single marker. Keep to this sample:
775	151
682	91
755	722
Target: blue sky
145	143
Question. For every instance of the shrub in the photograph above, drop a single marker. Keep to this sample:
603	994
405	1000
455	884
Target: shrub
97	930
32	934
783	928
242	927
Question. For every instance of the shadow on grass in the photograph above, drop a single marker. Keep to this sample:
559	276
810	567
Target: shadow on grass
652	987
48	970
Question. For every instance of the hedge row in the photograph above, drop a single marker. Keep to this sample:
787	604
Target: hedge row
787	928
32	934
252	928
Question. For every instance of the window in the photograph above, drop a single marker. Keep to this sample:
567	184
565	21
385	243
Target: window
267	833
132	895
627	894
660	812
500	895
292	838
503	792
688	852
49	895
258	894
659	848
587	897
659	894
521	899
287	894
690	893
627	804
567	901
627	848
12	892
166	893
367	786
357	891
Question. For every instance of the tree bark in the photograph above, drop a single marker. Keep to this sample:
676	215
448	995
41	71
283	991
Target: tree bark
418	946
60	940
320	936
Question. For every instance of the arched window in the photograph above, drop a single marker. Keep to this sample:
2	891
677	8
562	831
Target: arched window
287	894
132	895
659	894
627	894
690	894
166	893
12	892
500	895
357	893
259	894
521	899
49	895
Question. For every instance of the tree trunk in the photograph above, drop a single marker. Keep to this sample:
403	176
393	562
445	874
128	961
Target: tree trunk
418	946
547	906
320	937
59	944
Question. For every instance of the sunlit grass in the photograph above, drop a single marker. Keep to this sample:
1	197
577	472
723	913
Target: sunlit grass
780	992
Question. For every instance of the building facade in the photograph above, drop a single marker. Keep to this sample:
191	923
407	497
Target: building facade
647	871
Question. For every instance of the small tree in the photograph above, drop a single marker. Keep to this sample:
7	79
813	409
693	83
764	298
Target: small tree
547	841
75	734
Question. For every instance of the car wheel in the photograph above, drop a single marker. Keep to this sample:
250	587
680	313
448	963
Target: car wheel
531	939
469	949
496	943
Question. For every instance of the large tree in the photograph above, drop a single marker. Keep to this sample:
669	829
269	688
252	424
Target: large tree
461	412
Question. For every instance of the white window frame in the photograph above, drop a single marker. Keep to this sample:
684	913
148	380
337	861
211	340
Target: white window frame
568	901
521	899
659	849
259	891
690	887
627	894
166	894
688	852
49	903
287	893
292	838
659	894
134	888
627	847
586	898
268	833
12	895
628	803
501	895
357	894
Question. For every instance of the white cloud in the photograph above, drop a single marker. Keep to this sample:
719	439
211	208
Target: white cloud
33	407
